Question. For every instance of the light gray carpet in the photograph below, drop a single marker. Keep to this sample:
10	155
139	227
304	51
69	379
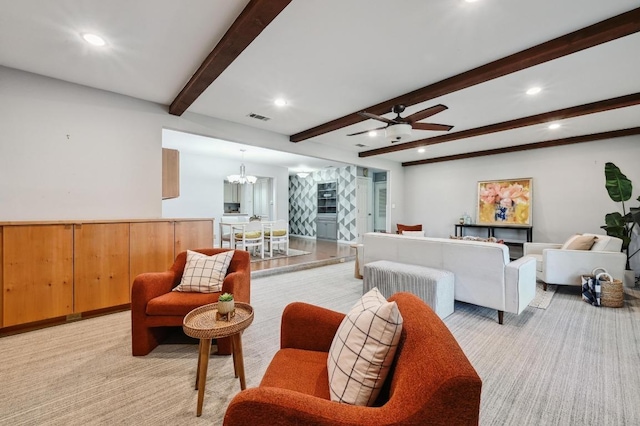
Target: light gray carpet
569	364
542	299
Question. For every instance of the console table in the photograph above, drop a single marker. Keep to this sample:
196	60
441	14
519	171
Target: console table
491	232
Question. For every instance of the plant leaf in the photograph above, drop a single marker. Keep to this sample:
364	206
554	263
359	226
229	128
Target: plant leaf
614	219
618	185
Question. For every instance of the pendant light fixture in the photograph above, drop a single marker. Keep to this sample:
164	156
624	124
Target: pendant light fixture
242	178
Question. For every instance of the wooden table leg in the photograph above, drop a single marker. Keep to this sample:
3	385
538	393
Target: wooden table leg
198	368
203	364
235	367
238	360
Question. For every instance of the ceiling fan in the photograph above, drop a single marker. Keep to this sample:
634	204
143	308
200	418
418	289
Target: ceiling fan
399	128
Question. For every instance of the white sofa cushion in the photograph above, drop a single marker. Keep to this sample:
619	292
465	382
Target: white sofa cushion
606	243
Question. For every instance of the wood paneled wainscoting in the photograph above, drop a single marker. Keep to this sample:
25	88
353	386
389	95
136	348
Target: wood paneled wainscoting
52	272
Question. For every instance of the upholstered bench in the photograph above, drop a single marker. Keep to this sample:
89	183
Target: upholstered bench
433	286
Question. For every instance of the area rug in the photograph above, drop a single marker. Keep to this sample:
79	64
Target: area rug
279	255
543	298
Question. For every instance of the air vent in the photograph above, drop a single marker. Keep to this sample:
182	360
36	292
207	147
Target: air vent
361	145
258	117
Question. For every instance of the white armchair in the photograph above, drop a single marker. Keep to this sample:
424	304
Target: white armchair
555	265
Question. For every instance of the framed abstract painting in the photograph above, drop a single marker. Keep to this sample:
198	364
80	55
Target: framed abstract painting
505	202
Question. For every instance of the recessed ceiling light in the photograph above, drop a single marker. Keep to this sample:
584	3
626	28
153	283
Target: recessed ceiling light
422	150
372	134
554	126
96	40
280	102
533	91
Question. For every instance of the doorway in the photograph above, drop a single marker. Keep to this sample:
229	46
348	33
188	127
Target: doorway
364	204
380	202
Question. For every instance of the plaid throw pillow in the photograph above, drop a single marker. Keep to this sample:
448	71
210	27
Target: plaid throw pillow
204	274
363	349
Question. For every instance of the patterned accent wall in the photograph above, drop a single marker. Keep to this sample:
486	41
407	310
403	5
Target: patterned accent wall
303	204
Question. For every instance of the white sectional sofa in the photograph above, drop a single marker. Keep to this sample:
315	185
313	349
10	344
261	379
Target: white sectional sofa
484	276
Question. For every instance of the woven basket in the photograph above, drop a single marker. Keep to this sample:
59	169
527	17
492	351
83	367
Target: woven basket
611	294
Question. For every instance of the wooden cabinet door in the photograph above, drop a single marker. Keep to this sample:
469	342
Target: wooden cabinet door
38	273
101	266
151	247
193	234
170	173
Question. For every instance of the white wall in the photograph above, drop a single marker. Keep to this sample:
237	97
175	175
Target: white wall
68	152
110	167
568	187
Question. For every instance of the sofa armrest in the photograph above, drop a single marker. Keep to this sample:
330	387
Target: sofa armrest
537	248
282	407
309	327
566	266
520	284
149	285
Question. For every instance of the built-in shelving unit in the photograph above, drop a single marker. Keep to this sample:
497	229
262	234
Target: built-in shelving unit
327	197
327	218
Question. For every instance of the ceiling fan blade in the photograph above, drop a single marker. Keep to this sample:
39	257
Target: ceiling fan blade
367	131
431	126
421	115
377	117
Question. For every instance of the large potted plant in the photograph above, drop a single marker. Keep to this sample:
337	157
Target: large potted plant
618	224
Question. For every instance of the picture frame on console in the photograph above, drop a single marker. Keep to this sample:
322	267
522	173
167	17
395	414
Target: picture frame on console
505	202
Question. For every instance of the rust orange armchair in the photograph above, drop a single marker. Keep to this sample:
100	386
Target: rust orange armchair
430	382
154	307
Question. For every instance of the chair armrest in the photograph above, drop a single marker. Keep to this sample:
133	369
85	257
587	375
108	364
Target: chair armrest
151	284
309	327
520	284
536	248
566	266
283	407
238	284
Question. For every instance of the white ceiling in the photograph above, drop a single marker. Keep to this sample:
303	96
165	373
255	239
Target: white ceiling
330	58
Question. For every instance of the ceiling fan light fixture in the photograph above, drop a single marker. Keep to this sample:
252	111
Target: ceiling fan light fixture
398	132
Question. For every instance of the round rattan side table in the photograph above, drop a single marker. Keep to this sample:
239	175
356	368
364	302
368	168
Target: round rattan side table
201	324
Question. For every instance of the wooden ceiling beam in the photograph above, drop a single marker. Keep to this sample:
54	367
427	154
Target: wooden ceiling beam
560	114
602	32
527	147
247	27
